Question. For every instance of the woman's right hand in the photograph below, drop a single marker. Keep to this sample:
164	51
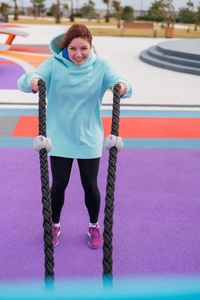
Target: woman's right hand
34	84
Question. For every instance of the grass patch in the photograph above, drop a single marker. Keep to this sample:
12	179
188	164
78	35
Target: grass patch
101	31
50	20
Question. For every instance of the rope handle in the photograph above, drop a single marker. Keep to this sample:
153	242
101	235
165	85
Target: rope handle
113	139
41	141
116	110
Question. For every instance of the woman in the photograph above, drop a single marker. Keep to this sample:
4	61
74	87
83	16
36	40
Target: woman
76	80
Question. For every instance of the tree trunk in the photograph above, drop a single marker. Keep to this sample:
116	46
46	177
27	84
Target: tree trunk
16	13
72	12
107	17
58	12
118	23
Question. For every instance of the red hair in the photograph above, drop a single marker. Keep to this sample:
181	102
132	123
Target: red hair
75	31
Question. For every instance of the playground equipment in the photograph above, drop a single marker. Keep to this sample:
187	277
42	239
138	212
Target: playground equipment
11	36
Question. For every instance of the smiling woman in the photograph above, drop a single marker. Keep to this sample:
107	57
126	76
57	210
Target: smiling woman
76	80
76	44
79	51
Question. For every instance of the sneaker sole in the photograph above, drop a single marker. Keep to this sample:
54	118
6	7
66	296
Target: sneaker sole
90	244
59	232
56	245
93	247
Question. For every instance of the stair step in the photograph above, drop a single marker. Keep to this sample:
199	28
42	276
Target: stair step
187	48
144	56
154	52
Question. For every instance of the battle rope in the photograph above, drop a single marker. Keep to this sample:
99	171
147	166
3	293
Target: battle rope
46	201
110	188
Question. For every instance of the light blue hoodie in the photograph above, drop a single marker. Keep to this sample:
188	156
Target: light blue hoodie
74	96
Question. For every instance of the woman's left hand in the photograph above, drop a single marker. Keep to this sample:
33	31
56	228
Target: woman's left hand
123	89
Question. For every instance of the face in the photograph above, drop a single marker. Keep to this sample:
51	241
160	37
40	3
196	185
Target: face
79	51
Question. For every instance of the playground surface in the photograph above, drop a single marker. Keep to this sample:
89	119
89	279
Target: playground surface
157	208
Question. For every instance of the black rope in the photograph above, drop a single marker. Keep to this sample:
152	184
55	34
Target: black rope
110	188
46	201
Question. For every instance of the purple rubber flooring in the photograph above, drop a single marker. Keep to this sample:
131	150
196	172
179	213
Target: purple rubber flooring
7	68
156	217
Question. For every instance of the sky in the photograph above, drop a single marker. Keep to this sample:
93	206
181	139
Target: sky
137	4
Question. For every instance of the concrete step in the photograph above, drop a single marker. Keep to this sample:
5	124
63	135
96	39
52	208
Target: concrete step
156	53
144	56
186	48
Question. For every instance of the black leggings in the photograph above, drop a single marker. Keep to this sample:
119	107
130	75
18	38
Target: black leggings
61	169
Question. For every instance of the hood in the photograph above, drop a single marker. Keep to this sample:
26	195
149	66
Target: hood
57	52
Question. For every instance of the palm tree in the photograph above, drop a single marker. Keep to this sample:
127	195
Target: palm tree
58	12
156	12
118	9
197	18
15	11
169	17
37	6
72	11
107	16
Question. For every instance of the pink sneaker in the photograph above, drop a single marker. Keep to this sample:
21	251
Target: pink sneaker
96	240
56	232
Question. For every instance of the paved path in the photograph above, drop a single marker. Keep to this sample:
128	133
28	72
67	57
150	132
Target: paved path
153	87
